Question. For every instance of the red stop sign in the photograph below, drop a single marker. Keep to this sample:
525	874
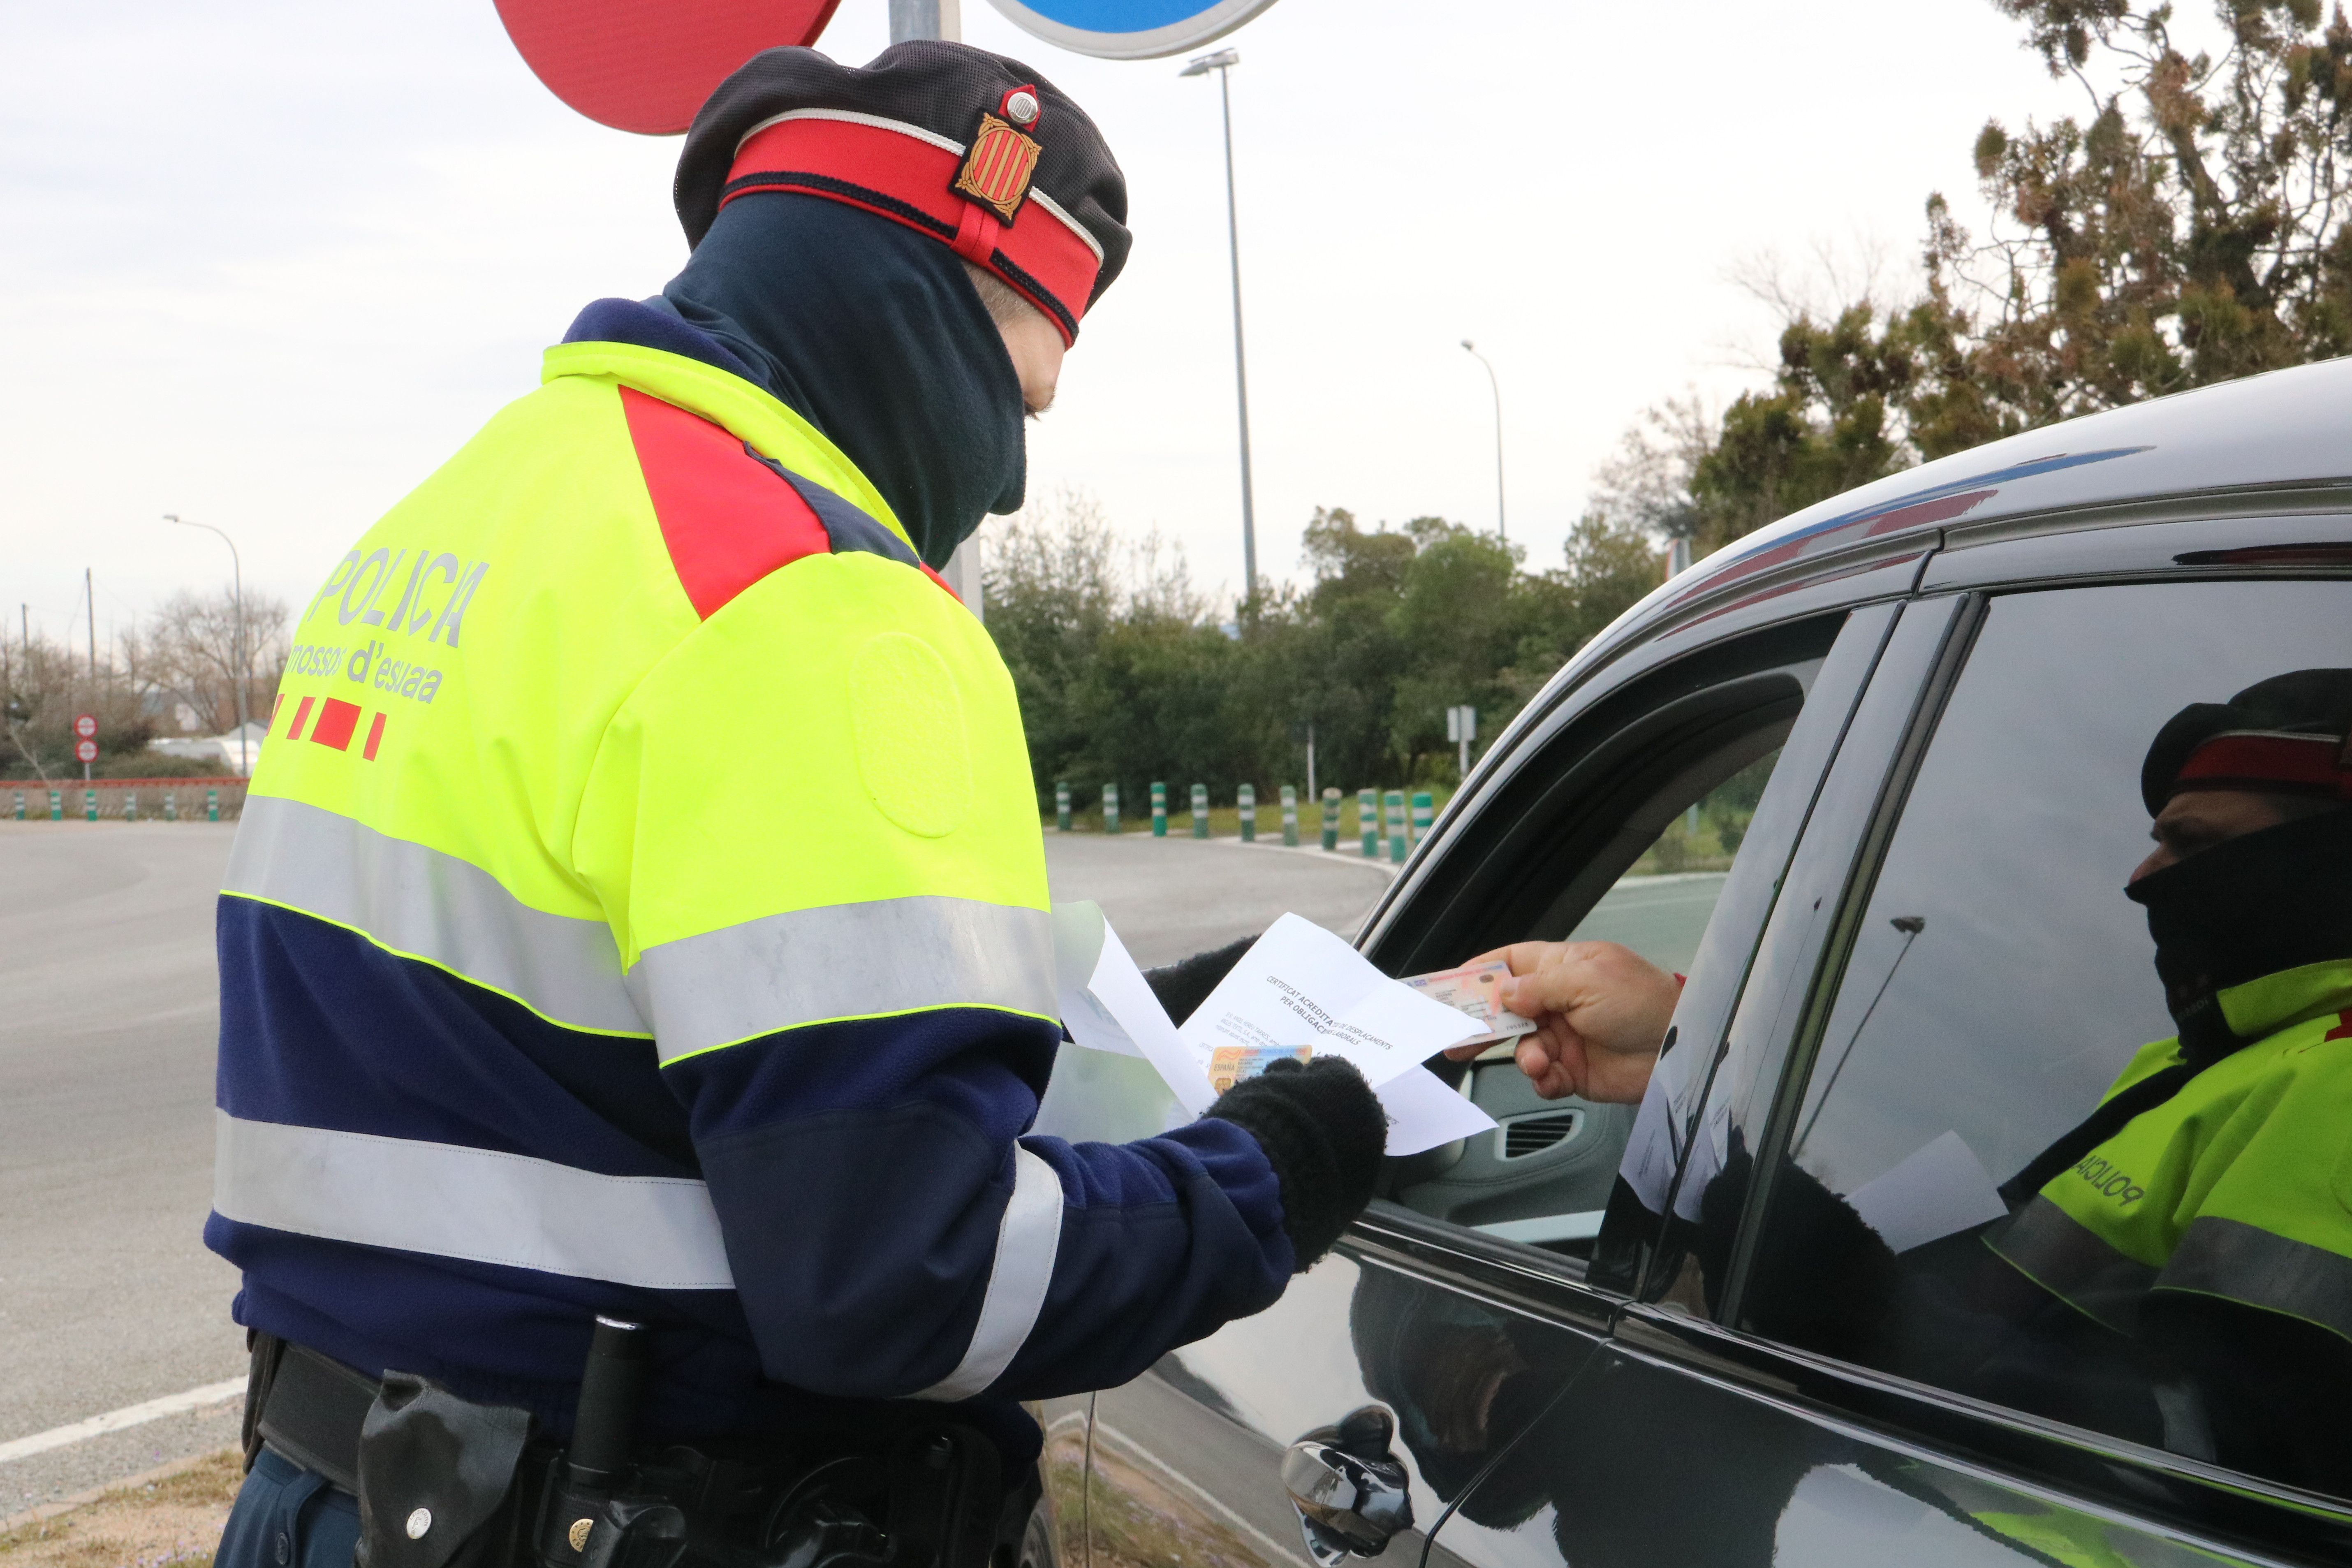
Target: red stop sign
85	726
86	751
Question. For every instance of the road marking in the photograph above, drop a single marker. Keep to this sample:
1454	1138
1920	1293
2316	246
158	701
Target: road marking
116	1420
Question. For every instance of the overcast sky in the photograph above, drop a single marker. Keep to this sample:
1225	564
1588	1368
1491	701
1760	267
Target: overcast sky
267	265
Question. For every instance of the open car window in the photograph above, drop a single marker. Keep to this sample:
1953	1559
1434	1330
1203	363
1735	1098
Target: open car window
1660	825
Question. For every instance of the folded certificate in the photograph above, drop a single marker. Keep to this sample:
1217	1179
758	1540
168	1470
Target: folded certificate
1298	993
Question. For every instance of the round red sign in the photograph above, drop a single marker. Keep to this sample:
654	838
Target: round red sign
87	750
85	726
647	65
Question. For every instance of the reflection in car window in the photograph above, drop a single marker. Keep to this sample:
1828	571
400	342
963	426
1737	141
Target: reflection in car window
1994	1181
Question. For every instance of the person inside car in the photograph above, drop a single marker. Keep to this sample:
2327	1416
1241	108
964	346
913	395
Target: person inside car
2178	1268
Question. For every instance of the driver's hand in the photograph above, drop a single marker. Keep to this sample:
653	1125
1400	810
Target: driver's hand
1601	1011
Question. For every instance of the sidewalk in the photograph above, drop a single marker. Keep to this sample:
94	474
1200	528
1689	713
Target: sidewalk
1346	855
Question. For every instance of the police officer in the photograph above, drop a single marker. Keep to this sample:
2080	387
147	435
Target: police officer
2179	1266
640	910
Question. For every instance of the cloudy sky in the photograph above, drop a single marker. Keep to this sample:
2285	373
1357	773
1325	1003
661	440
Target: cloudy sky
266	265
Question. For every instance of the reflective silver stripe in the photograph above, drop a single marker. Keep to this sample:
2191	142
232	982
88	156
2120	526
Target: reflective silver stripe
2241	1262
417	900
660	1233
844	961
1027	1244
2073	1263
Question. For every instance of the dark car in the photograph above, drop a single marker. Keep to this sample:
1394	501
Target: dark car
1870	779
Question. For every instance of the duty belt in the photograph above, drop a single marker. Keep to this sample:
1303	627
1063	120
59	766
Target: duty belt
445	1483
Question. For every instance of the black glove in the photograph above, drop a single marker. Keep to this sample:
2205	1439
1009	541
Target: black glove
1182	987
1323	1131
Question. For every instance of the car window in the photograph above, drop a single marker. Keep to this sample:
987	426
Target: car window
1649	871
1543	1176
1660	907
2174	1268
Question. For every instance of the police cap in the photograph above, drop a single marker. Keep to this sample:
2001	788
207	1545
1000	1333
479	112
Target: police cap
977	151
2291	735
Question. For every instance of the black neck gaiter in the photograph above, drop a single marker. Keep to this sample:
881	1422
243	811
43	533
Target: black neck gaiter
875	335
2267	901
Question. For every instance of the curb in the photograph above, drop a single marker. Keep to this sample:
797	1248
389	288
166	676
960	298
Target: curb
1326	856
83	1499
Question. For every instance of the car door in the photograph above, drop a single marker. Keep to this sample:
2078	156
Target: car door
1949	978
1658	807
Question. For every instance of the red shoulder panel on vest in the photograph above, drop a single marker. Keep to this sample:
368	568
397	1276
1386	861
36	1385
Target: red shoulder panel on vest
727	518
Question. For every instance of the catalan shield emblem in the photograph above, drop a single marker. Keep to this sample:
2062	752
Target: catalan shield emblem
997	170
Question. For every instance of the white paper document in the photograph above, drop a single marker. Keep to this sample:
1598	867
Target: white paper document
1423	1112
1298	985
1108	1006
1938	1188
1301	986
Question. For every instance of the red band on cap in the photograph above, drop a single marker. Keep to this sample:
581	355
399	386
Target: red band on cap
903	173
2268	760
976	234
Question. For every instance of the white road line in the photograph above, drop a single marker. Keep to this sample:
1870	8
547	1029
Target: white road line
116	1420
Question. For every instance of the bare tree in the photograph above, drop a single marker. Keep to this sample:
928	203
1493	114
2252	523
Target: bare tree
1646	487
48	683
187	652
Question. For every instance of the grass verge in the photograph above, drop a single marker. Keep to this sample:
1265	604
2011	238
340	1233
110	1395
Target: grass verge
173	1519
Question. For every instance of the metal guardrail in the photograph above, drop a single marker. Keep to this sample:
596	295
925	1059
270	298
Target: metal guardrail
201	799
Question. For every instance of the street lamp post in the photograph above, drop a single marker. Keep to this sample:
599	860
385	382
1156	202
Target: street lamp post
1223	63
1501	531
944	19
236	567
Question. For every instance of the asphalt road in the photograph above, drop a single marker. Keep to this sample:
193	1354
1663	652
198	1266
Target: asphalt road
108	1011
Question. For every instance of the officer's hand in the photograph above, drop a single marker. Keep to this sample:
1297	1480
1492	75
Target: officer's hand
1601	1011
1323	1131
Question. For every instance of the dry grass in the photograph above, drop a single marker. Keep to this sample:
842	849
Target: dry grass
175	1519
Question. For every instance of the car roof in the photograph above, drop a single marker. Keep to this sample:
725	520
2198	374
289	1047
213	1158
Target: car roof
2286	428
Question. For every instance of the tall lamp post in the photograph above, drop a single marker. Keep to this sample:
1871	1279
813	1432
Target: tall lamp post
1500	531
944	19
236	566
1223	63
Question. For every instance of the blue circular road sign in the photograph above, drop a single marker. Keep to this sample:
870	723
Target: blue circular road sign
1130	29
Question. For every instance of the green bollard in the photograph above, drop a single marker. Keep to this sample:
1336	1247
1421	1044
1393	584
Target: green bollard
170	806
1110	808
212	805
1200	811
1423	814
1060	809
1367	821
1158	810
1247	800
131	806
1331	820
57	806
20	806
1290	816
89	806
1393	802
